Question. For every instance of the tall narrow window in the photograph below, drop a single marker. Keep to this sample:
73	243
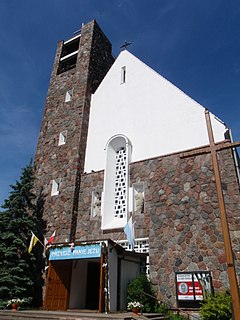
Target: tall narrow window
55	187
68	96
115	211
62	138
120	189
123	74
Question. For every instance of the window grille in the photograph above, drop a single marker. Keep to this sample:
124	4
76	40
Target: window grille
120	184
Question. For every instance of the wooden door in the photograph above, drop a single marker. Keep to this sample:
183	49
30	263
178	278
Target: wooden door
58	285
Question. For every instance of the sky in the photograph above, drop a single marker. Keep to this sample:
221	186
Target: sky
195	44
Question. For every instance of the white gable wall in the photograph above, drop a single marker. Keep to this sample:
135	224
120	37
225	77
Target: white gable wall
155	115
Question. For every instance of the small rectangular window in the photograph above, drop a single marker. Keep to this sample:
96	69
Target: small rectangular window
62	138
123	74
68	96
55	188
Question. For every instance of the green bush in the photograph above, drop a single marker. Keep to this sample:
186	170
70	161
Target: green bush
162	308
217	307
173	316
140	289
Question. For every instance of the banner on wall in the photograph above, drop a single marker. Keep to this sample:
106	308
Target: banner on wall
78	252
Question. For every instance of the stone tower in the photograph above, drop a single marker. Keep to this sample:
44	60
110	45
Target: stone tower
80	65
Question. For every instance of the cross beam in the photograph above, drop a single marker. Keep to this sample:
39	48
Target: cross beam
207	149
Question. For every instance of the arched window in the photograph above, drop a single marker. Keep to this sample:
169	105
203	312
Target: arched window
116	183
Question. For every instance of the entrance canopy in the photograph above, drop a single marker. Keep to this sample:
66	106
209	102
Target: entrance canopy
91	275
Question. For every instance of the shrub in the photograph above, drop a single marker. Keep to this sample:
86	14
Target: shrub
173	316
163	308
140	289
216	307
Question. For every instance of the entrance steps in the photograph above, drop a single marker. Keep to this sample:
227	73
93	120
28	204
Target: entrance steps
155	316
70	315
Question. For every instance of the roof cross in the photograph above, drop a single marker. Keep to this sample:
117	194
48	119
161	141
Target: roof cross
125	45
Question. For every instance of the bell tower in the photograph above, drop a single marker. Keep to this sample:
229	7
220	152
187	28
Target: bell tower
80	65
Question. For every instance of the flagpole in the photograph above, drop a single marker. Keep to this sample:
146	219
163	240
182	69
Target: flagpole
119	236
42	244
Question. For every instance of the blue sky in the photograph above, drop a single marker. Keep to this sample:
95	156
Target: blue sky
195	44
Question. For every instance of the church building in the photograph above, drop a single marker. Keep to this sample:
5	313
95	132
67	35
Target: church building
119	143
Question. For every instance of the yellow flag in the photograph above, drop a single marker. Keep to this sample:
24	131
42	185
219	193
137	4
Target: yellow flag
33	241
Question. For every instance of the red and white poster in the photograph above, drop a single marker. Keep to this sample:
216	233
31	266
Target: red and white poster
188	287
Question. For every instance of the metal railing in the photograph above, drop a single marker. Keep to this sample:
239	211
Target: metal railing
178	311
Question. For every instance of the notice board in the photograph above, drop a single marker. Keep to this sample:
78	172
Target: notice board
191	287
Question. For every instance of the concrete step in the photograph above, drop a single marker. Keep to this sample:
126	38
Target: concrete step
155	316
65	315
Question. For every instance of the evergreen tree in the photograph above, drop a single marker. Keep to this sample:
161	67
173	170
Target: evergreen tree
20	272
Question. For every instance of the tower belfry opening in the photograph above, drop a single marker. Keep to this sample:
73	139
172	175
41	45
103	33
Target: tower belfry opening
69	54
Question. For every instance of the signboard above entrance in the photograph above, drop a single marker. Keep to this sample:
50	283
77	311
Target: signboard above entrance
79	252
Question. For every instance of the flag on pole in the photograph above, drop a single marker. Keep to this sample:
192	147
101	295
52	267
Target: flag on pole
52	238
33	241
128	229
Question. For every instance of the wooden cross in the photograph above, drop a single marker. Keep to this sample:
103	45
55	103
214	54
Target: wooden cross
213	148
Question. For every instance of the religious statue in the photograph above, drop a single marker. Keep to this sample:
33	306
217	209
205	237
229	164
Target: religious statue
139	200
97	205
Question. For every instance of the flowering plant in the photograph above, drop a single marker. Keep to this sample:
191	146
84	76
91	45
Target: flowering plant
134	304
15	300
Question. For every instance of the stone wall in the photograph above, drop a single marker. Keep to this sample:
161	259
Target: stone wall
65	163
181	216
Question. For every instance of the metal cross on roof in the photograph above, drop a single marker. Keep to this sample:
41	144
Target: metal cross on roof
125	45
79	30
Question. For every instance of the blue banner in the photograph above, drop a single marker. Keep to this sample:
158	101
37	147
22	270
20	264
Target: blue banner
78	252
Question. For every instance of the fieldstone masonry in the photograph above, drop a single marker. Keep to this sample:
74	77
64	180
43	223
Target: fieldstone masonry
181	216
